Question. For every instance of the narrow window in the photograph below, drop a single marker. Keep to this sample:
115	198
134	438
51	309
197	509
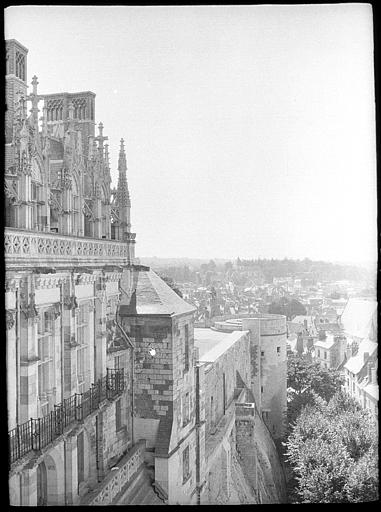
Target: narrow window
118	415
186	408
262	353
186	464
186	348
80	458
278	350
325	354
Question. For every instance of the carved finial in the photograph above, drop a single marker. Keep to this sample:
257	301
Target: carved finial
34	84
106	154
100	137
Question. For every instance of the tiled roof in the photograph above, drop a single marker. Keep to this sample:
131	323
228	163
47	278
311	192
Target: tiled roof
164	436
150	295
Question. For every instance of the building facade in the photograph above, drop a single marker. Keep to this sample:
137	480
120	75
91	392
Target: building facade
67	240
106	391
268	356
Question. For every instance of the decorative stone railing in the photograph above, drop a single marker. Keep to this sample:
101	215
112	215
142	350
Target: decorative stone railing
119	478
30	248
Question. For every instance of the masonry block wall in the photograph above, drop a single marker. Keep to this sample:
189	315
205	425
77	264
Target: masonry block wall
223	377
245	443
164	391
268	335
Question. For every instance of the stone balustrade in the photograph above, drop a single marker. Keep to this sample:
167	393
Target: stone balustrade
35	249
119	477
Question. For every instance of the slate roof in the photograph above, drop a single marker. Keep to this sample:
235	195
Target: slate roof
356	363
357	316
372	390
152	296
327	343
164	436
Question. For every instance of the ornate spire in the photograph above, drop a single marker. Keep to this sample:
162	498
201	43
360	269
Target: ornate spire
100	137
123	196
34	98
107	157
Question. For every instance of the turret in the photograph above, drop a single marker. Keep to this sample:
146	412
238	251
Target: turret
122	194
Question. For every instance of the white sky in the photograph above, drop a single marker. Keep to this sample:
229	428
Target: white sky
249	130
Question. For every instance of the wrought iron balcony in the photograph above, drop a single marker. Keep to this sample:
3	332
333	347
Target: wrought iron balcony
36	434
38	249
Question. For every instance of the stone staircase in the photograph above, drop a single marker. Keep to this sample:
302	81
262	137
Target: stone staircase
141	491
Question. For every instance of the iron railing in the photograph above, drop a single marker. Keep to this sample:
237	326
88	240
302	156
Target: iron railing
35	434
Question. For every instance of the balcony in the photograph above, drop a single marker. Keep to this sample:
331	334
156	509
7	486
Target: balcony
37	249
36	434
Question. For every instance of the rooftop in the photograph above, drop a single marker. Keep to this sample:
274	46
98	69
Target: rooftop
356	363
150	295
327	343
212	344
357	316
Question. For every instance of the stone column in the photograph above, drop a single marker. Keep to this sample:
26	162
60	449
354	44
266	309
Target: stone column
98	219
28	351
11	368
71	474
28	486
69	325
100	328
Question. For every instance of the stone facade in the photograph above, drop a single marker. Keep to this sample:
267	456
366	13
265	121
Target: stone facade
268	355
68	367
106	387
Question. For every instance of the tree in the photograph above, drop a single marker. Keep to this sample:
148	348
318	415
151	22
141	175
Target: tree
305	382
333	452
289	308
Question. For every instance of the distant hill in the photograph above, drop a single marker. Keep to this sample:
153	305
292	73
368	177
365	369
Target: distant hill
156	262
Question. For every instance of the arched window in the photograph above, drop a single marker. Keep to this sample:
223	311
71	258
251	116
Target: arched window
20	65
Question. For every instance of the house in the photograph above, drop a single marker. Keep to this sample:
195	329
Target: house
360	372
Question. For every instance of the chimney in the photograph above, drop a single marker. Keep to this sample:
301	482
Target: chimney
305	323
366	356
322	335
369	372
373	371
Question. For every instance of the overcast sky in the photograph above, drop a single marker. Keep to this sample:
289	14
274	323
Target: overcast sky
250	130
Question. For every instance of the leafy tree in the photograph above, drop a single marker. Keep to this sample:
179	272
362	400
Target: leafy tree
228	266
289	308
333	452
306	381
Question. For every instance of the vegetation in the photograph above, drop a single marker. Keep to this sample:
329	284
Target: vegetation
288	307
333	452
307	382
